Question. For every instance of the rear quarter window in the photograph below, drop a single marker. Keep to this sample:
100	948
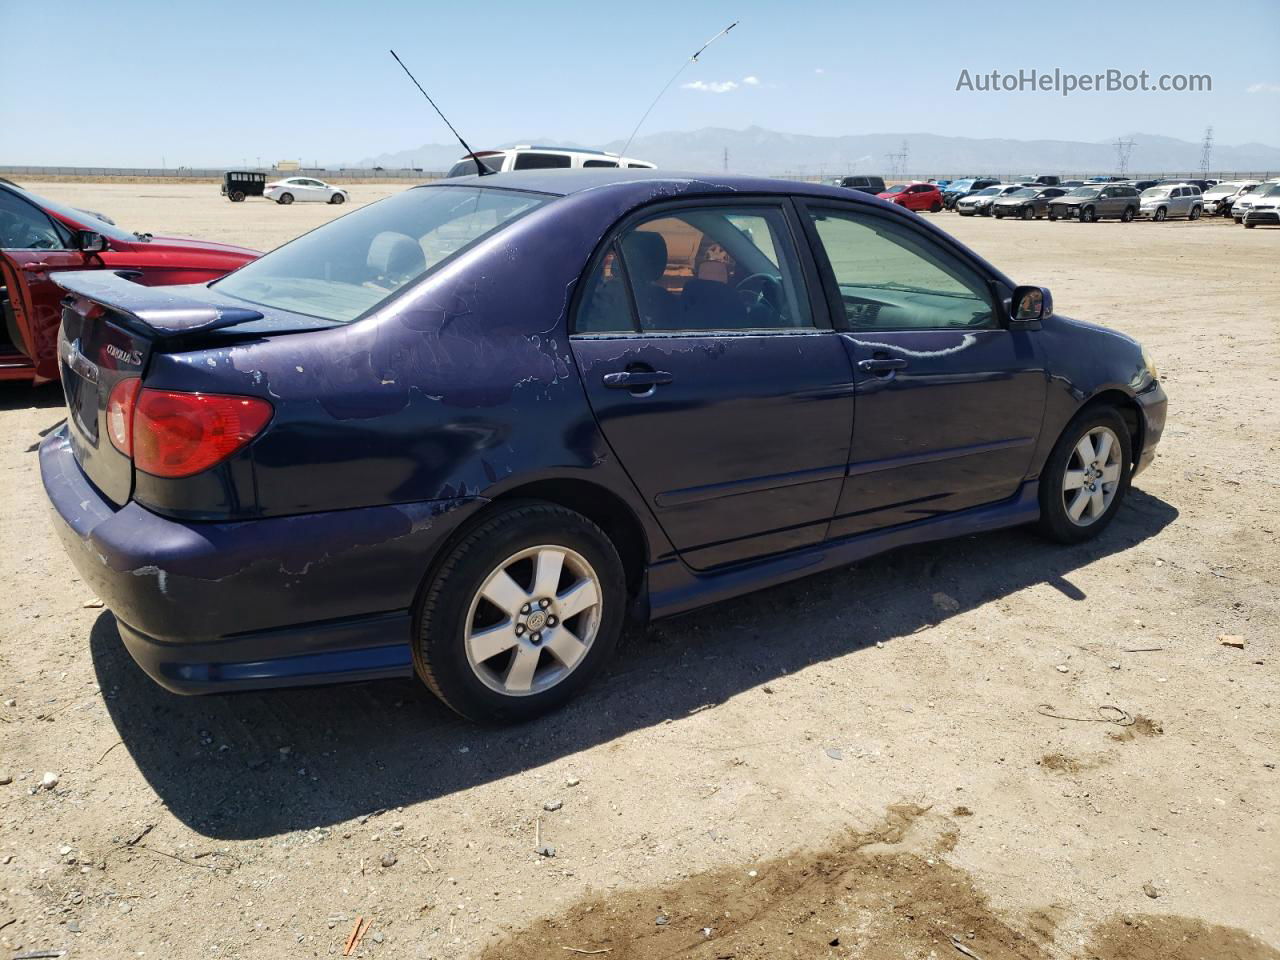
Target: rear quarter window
543	161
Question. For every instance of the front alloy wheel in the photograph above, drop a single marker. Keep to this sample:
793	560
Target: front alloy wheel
1086	476
1092	476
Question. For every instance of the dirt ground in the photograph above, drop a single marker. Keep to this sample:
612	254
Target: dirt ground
908	758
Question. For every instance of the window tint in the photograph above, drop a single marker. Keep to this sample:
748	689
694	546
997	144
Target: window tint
705	268
347	267
599	163
542	161
891	277
24	227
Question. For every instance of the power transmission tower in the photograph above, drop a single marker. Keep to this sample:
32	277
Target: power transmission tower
1124	147
898	161
1206	152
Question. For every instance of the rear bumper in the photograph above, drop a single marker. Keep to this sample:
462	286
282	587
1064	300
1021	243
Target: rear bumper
282	601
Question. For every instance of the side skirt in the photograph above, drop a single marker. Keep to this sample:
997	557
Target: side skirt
675	588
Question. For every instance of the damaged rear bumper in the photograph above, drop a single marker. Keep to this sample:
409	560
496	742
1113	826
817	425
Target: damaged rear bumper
281	601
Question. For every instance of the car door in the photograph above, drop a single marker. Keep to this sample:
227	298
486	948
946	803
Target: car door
33	246
711	367
948	399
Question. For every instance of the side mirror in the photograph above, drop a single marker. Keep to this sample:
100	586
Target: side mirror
1030	305
90	242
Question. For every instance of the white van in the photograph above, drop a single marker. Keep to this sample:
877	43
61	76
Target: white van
529	157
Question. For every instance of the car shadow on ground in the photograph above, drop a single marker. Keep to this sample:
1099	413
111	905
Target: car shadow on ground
251	765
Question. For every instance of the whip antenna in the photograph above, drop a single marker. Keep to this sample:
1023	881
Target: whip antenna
481	169
686	63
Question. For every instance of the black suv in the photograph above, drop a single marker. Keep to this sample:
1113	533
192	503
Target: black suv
871	185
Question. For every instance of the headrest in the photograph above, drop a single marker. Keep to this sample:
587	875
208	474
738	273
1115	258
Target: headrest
646	255
396	256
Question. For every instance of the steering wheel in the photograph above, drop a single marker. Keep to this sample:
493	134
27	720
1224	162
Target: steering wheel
761	289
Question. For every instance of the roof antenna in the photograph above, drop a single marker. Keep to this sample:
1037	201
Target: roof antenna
692	59
481	169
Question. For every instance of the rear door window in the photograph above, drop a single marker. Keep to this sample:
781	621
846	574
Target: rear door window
701	269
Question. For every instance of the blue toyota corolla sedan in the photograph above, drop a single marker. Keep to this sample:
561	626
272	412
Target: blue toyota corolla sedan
466	432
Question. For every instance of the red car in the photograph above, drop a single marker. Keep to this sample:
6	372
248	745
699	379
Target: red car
915	196
39	237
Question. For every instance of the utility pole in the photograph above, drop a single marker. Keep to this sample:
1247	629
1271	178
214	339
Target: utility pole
1206	153
1124	147
726	159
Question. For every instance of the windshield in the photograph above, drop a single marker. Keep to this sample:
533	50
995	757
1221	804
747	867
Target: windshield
959	184
348	267
83	217
1084	192
1025	192
898	189
1153	192
988	192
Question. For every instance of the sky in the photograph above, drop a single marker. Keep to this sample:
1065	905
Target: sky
140	83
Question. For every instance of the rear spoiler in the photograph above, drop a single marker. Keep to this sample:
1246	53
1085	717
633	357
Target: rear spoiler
167	311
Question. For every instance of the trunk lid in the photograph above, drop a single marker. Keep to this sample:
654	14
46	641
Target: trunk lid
111	326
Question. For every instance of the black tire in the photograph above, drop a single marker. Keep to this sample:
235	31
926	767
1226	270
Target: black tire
1088	215
285	198
1052	215
1249	226
1028	213
439	647
1195	214
998	215
237	196
1160	215
337	198
1127	216
1055	523
935	207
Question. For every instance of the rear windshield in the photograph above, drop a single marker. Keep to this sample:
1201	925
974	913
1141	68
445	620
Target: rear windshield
352	265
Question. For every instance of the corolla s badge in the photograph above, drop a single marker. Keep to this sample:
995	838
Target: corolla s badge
133	357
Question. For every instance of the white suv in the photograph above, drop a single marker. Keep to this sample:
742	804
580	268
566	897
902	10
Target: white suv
528	157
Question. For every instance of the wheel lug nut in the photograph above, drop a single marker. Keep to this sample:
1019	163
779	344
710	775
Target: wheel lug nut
536	638
544	603
525	608
519	629
551	621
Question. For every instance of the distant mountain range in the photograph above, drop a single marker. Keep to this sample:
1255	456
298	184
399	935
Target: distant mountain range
756	150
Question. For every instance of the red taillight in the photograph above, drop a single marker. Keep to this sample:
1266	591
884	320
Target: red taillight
179	434
120	404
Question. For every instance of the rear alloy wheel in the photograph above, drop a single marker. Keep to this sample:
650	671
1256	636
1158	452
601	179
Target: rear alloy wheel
1195	214
1086	476
1160	214
1127	216
1028	213
935	207
1088	215
285	198
521	614
337	198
